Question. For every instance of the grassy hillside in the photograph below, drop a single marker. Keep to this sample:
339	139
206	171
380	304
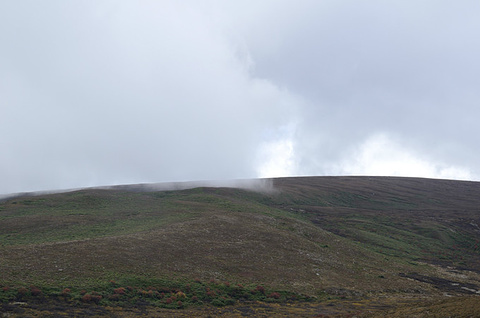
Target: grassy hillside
436	221
316	238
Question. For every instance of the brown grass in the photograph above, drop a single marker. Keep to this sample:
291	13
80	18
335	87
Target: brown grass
360	245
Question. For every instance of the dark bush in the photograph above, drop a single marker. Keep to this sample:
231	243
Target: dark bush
274	295
260	289
87	298
35	291
119	291
22	291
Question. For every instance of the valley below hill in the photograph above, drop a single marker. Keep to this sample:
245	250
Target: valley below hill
300	247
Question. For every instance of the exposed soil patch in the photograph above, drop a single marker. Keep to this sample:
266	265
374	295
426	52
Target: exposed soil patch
444	284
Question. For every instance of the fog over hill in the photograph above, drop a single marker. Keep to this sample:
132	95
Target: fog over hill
259	185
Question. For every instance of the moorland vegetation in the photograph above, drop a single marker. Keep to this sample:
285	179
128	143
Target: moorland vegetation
310	246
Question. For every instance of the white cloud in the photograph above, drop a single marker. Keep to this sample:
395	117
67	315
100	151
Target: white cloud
123	92
381	155
277	159
276	156
101	92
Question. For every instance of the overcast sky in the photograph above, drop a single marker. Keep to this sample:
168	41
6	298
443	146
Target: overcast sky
111	92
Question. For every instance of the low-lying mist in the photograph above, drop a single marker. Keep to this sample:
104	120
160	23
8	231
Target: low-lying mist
257	185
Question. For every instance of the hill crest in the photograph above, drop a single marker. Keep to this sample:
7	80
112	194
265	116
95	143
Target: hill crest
312	235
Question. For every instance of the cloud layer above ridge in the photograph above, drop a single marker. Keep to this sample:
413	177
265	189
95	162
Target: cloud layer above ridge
109	92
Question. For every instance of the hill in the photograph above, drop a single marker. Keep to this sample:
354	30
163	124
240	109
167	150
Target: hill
360	243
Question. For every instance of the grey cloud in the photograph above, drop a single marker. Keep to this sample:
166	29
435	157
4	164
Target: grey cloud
401	67
138	93
105	92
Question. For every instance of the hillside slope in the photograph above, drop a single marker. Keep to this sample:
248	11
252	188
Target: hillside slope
312	235
437	221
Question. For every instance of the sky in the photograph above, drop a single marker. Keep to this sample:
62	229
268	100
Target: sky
104	92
